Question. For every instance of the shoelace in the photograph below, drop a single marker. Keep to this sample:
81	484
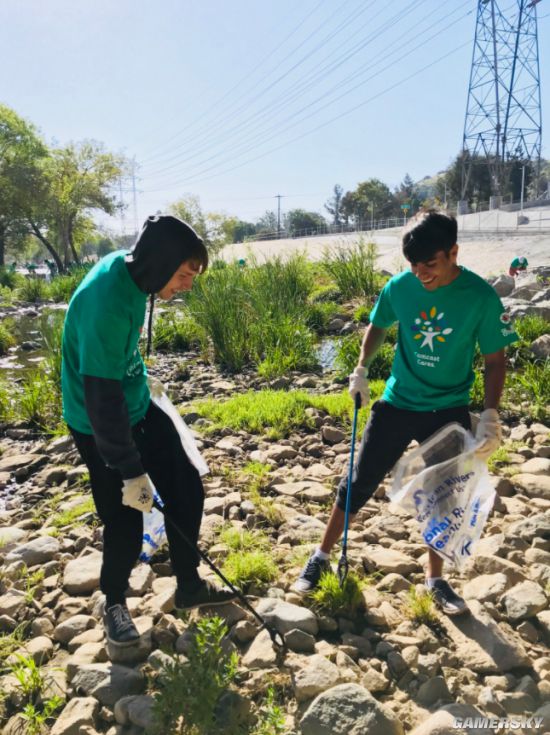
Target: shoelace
447	591
312	565
121	616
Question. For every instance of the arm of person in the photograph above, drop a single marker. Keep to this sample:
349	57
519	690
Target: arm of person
495	374
372	341
108	414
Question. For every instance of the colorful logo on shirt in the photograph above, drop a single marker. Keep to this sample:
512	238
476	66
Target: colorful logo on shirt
506	319
431	326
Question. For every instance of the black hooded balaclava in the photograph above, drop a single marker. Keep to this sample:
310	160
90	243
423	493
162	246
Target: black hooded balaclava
161	247
163	244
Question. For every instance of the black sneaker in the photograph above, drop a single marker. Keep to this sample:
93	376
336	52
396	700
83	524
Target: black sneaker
119	627
447	599
311	574
206	595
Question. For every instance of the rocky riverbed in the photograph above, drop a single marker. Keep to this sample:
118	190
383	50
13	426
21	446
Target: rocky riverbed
376	672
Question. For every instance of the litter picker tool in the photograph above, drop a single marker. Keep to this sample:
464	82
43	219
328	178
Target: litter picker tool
274	634
343	566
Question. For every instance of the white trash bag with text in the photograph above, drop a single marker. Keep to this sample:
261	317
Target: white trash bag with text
154	532
447	489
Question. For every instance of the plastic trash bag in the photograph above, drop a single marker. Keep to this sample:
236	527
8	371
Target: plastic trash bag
154	532
448	490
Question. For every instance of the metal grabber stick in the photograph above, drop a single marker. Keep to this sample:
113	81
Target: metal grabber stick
275	636
343	566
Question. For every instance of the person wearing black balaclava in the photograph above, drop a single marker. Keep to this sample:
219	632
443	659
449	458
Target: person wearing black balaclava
129	445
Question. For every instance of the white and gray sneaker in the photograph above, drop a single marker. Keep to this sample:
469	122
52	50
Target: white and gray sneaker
311	574
447	599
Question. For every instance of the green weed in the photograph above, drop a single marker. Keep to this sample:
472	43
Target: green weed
7	338
37	716
33	290
331	599
347	357
243	540
69	517
271	718
420	607
189	689
176	332
244	568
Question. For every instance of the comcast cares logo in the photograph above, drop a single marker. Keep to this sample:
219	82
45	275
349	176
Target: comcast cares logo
430	326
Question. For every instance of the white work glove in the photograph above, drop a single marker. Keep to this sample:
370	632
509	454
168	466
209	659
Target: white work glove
359	383
138	493
488	434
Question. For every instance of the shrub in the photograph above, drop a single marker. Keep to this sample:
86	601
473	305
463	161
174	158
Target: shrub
33	290
533	384
63	286
271	719
347	356
10	279
352	269
7	339
39	402
176	331
189	689
285	345
329	598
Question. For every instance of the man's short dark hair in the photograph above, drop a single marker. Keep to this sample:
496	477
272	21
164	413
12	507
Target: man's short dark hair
427	233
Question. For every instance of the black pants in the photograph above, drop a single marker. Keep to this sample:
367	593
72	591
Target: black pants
177	482
387	434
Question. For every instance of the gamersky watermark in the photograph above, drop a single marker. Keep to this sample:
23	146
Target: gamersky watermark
499	723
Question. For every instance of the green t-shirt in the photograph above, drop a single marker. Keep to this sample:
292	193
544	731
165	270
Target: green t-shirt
438	332
100	337
520	262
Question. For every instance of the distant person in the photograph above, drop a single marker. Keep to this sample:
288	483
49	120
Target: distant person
128	443
518	264
443	311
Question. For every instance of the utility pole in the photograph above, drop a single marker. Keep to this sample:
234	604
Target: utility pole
278	197
122	222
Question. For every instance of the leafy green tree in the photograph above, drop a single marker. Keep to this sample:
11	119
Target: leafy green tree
372	199
243	230
216	228
267	224
21	150
334	205
298	221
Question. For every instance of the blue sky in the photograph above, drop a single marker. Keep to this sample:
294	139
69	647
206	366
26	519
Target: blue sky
238	101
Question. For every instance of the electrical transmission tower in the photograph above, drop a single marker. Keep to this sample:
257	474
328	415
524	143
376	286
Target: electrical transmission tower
503	121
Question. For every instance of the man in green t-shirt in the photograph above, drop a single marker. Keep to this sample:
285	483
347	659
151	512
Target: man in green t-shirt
443	312
129	444
518	264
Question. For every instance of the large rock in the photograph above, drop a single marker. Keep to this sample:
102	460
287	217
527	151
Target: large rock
535	486
504	285
536	466
306	490
317	676
11	535
486	588
17	461
377	558
541	346
481	645
349	709
533	527
81	575
524	600
261	654
78	713
107	682
37	551
71	627
446	722
285	616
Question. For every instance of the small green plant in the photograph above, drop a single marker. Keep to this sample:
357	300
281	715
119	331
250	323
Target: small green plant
37	716
329	598
319	314
40	400
7	339
362	314
30	677
33	582
243	540
6	405
71	516
63	286
33	289
244	568
347	357
271	718
420	606
477	391
533	382
189	689
10	642
497	459
176	331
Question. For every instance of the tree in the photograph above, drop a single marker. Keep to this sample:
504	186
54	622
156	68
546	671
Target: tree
215	228
479	181
334	205
266	225
21	151
298	221
243	230
371	199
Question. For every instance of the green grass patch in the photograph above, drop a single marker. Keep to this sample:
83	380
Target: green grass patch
347	356
244	568
420	607
497	459
71	516
352	268
331	599
33	290
278	413
243	540
63	286
177	331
